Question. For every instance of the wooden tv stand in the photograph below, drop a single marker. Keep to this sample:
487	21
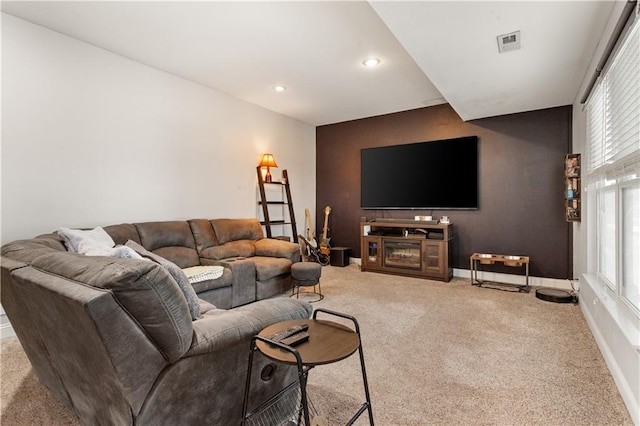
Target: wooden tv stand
407	247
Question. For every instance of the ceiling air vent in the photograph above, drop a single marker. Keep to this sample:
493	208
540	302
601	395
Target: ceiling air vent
507	42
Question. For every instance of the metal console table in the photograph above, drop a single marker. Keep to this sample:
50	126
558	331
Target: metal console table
329	342
490	259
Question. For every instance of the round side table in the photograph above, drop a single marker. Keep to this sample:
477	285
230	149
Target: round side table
328	342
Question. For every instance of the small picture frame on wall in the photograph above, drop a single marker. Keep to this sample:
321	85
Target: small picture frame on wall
572	166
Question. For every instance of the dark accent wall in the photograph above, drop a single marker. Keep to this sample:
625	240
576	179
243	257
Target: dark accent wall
520	182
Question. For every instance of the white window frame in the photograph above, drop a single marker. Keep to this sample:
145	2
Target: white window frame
607	273
634	306
613	164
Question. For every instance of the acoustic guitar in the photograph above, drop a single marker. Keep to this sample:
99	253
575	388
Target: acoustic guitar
324	241
310	237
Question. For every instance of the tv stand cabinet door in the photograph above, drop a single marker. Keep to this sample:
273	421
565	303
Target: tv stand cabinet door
434	262
371	253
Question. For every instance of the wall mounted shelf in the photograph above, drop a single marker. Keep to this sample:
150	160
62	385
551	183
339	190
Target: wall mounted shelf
572	187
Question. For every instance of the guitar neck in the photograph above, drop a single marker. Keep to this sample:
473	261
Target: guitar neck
309	227
327	210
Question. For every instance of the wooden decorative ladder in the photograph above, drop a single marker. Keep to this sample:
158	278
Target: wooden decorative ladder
284	201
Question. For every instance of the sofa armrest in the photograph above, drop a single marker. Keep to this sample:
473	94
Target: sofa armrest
243	290
219	328
271	247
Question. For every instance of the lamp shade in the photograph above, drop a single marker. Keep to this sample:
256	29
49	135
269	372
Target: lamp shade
268	161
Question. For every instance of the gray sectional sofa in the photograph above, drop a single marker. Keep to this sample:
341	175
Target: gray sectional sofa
114	339
256	267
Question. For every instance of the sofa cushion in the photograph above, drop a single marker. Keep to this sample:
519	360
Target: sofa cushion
219	328
241	248
269	267
27	250
205	306
178	275
237	229
184	257
144	289
226	280
123	233
276	248
172	240
203	234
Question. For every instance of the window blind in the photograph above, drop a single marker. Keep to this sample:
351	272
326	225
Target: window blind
595	129
623	100
613	114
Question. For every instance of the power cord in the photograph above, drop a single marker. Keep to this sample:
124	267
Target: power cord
574	291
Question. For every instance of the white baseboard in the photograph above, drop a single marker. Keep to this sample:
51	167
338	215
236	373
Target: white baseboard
6	330
503	278
617	334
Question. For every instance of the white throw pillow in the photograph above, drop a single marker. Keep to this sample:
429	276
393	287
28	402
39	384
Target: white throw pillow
91	249
93	238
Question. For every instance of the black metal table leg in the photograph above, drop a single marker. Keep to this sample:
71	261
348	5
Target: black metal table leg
367	405
245	402
302	377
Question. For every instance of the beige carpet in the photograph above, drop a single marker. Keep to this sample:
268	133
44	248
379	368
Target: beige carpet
436	354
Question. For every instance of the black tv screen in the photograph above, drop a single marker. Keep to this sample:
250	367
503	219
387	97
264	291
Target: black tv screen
427	175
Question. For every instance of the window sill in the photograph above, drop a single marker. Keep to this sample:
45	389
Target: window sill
621	314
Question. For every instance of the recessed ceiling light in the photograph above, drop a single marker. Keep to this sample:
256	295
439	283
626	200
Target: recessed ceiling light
279	88
371	62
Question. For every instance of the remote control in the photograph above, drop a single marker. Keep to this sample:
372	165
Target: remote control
296	339
278	336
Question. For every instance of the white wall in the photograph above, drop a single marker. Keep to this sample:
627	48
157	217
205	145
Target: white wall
92	138
615	331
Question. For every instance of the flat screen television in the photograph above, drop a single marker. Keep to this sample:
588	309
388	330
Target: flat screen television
439	174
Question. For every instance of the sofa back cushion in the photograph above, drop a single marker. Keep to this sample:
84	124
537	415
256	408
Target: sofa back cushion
123	233
240	248
172	240
203	234
144	289
176	272
28	250
237	229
